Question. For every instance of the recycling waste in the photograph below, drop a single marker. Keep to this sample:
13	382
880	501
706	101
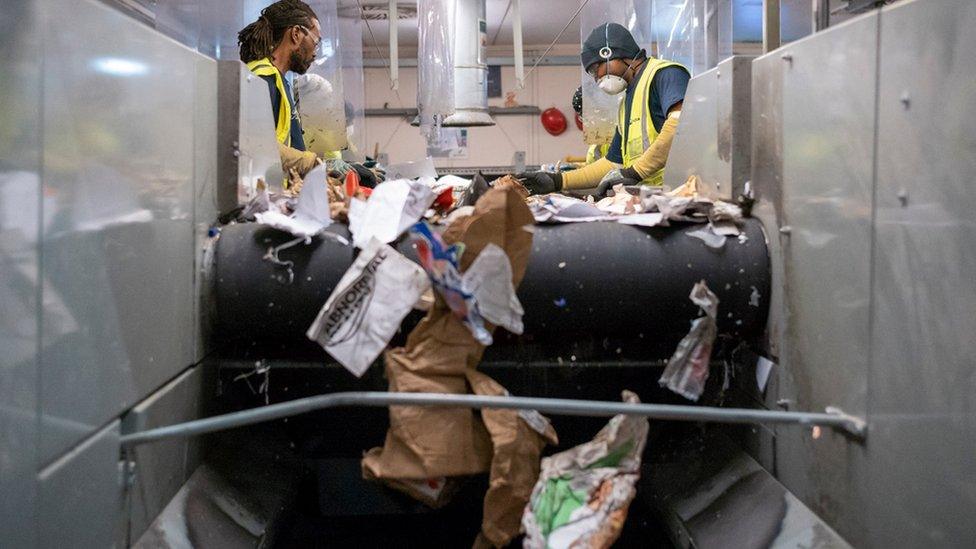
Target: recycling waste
473	240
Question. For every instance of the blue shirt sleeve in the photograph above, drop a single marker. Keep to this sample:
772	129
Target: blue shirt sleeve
614	153
668	89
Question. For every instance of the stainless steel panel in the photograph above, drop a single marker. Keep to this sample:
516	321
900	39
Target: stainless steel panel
766	182
162	468
735	120
828	97
695	147
923	388
81	496
712	140
205	200
118	137
20	199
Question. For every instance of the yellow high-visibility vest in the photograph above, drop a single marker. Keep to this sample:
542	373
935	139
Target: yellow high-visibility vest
637	134
263	67
596	152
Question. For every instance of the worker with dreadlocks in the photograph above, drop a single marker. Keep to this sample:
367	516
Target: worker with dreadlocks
284	38
647	120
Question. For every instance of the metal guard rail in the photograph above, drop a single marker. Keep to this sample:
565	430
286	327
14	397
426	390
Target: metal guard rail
832	417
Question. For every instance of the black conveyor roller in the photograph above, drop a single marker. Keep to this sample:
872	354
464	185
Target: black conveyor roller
590	288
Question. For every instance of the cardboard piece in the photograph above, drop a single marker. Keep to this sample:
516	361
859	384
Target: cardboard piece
440	356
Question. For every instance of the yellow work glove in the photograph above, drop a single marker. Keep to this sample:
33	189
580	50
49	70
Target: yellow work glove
301	161
587	176
656	156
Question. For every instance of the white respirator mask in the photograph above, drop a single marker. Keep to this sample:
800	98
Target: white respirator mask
612	84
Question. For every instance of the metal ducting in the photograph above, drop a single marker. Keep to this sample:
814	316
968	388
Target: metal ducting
470	67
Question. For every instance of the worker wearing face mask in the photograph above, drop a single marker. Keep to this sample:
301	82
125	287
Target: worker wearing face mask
285	38
646	123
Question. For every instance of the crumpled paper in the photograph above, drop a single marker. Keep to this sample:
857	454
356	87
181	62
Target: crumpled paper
367	306
483	292
582	495
312	214
687	369
621	203
390	210
440	356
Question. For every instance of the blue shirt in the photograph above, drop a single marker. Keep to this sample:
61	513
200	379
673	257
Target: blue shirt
667	89
297	139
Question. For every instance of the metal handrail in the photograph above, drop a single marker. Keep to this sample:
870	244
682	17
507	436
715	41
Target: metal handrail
833	417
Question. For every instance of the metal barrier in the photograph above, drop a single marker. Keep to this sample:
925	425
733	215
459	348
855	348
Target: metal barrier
833	417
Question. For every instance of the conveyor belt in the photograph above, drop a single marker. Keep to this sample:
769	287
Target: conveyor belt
593	289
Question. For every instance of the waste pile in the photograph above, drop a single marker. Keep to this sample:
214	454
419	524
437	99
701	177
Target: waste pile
473	240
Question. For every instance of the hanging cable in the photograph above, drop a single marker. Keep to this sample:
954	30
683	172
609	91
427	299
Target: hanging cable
376	48
554	40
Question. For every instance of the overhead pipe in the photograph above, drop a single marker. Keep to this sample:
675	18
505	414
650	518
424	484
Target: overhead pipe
392	18
470	67
517	44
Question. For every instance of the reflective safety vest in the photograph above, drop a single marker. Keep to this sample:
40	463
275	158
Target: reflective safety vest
637	134
263	67
596	152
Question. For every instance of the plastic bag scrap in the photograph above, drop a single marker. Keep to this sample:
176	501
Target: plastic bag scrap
390	210
557	208
687	370
483	292
435	65
312	214
582	495
368	304
440	356
621	203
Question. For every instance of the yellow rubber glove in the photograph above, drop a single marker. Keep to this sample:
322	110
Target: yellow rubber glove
301	161
656	156
587	176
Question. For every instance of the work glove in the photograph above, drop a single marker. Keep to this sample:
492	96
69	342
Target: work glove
337	166
541	182
300	161
617	176
366	176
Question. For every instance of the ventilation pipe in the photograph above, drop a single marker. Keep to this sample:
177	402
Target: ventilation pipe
470	66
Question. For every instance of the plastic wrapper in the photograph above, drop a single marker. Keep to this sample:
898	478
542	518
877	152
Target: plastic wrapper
687	370
582	495
320	92
353	85
600	110
435	65
367	306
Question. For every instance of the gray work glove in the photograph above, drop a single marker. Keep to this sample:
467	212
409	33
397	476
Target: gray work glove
617	176
541	182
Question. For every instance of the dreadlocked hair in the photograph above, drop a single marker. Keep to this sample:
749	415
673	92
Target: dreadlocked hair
258	40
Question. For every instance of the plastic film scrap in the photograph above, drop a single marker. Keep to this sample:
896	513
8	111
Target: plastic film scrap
687	369
582	495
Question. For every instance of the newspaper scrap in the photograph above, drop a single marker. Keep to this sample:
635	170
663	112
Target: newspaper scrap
390	210
724	218
582	495
557	208
687	370
366	308
483	292
621	203
312	214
